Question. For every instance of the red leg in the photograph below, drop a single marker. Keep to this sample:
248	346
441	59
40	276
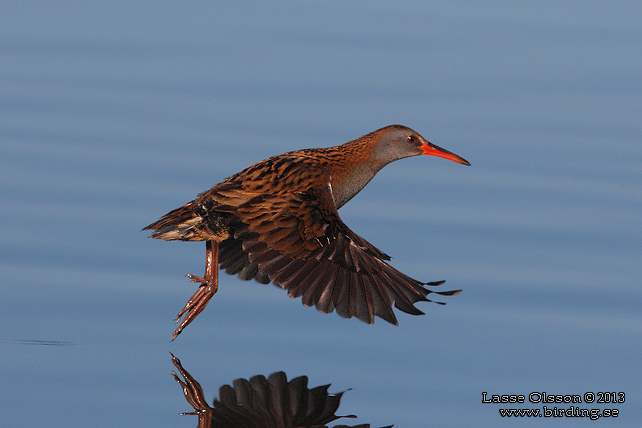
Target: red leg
209	286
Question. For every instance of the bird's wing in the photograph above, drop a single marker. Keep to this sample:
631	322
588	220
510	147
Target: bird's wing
298	241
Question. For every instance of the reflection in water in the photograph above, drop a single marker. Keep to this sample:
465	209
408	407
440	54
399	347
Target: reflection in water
263	403
40	342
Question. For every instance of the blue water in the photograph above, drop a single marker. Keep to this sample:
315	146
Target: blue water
114	114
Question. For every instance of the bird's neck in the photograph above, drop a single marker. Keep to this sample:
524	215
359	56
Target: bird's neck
346	186
351	171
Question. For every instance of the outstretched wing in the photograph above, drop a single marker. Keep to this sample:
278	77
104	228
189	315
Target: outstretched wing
298	241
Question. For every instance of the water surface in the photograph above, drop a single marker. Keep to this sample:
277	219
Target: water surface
114	114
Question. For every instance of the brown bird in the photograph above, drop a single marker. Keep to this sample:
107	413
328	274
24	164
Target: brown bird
277	221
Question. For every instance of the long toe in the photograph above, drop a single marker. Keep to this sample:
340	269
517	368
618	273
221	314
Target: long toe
196	297
197	279
194	306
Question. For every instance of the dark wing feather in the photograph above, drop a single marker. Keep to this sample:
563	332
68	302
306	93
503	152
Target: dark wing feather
298	241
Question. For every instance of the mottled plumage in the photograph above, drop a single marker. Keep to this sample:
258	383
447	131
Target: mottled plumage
277	221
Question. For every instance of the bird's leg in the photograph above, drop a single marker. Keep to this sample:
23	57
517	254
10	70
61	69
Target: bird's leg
209	286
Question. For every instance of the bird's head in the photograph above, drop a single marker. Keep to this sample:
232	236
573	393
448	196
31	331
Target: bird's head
397	142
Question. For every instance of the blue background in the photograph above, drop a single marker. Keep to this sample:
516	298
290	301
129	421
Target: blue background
112	114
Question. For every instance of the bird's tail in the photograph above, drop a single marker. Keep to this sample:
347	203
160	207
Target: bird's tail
180	224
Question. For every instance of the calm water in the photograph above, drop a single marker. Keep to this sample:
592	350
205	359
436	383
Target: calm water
111	115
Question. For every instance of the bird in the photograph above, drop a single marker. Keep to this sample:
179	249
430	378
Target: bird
277	221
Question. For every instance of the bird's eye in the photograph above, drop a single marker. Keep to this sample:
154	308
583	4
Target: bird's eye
412	139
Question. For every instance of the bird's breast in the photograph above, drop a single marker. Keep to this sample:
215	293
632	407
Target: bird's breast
347	183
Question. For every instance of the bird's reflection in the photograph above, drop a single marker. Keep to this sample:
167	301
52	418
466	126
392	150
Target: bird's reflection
263	403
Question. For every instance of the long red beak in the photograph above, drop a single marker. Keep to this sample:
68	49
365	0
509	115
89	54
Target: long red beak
433	150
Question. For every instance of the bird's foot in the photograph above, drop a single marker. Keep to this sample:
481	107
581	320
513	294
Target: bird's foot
196	303
195	278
